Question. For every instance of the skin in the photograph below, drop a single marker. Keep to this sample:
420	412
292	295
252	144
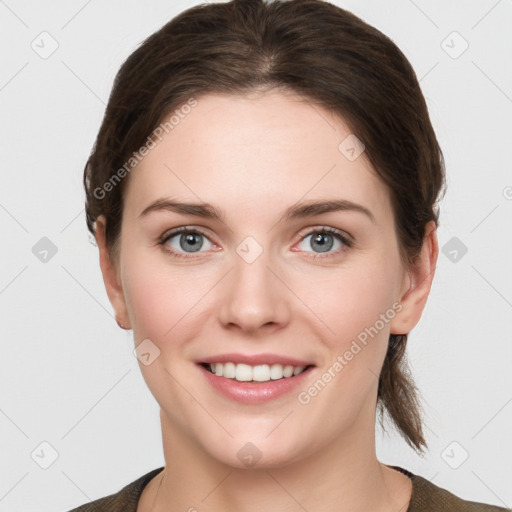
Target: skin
253	157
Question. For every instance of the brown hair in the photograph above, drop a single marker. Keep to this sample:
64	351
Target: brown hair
309	47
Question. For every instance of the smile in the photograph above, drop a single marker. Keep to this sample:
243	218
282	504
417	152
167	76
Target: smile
255	384
257	373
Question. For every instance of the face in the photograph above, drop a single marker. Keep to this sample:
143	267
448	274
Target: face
268	284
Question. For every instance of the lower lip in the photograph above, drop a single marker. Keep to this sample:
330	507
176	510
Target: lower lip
255	392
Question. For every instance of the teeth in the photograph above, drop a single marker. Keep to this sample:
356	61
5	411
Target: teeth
259	373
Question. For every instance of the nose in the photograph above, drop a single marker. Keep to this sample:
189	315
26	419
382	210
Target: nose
254	296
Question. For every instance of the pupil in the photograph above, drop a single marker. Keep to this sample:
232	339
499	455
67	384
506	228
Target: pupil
191	239
321	240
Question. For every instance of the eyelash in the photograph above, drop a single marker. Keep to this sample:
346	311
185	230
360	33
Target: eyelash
347	242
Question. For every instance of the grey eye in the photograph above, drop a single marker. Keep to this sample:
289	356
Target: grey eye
320	242
188	242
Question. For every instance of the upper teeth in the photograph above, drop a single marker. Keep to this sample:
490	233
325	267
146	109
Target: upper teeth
259	373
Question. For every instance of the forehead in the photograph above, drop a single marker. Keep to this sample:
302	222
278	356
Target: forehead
263	151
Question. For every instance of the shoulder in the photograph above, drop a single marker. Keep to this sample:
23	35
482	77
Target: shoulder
125	500
427	496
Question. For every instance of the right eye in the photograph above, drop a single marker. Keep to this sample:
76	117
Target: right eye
182	241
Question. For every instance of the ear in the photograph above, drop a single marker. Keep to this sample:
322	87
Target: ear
417	284
111	278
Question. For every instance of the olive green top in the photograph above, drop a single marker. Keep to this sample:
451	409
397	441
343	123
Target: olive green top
426	497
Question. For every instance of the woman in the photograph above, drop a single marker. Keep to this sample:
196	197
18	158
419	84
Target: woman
263	192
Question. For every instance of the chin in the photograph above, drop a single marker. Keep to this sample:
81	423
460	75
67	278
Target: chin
259	453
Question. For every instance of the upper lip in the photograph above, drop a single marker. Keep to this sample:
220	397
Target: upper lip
255	359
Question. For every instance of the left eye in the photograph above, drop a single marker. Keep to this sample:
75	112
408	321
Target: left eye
324	241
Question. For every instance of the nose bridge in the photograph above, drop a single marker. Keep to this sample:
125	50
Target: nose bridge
253	296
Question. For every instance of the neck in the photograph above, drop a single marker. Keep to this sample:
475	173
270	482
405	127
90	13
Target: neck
344	476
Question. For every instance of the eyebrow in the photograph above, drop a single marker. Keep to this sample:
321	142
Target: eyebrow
297	211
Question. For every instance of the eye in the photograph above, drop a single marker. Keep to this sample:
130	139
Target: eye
183	241
325	240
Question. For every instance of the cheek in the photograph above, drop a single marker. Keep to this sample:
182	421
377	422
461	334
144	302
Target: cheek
163	303
358	305
163	307
352	300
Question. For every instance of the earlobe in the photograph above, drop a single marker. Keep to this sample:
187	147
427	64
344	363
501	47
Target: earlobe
420	276
111	277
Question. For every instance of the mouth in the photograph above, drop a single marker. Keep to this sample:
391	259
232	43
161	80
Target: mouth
242	372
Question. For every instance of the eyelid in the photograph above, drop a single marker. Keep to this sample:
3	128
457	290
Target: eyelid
182	229
326	229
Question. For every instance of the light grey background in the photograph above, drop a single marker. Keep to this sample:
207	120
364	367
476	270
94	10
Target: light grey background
68	376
